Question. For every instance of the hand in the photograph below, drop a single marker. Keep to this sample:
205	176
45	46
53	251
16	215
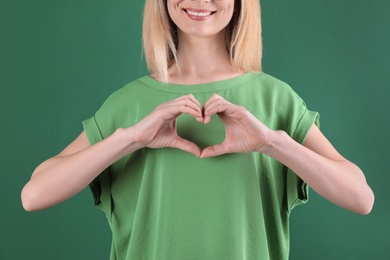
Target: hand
244	132
158	129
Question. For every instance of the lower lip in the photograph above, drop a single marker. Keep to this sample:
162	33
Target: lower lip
199	18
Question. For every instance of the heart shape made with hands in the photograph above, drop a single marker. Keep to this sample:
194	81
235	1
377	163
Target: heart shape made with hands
225	128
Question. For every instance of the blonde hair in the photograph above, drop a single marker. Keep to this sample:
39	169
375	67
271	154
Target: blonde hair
243	37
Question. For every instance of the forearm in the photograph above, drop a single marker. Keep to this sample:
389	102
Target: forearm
63	176
339	181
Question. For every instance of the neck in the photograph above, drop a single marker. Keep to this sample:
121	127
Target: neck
202	60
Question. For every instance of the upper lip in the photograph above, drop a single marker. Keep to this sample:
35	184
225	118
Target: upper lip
198	10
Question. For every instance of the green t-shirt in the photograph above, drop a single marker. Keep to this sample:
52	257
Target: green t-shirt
167	204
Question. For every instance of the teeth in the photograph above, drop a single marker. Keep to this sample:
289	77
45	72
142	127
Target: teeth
198	14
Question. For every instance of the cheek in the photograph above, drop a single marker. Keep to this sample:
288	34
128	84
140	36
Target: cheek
228	13
227	7
173	10
171	14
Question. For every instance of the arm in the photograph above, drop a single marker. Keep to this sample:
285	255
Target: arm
316	162
319	164
62	176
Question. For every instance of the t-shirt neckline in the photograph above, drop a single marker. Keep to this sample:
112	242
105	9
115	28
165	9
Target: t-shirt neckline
199	88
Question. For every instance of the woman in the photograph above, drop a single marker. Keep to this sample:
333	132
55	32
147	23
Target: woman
205	158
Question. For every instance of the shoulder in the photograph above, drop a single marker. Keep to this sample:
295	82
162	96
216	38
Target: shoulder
270	83
134	100
273	98
123	107
128	91
280	107
135	93
271	89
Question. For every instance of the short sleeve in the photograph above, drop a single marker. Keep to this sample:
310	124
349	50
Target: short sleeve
100	185
297	189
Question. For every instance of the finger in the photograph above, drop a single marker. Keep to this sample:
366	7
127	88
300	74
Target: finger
186	145
212	151
193	99
212	99
215	104
174	110
218	106
191	102
177	110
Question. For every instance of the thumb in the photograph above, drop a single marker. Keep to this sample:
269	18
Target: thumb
212	151
185	145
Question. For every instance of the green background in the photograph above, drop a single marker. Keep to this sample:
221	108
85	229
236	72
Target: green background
59	60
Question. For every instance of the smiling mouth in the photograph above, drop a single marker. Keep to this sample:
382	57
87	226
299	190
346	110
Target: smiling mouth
199	13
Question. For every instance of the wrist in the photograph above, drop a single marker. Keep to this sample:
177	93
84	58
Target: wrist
126	138
272	144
